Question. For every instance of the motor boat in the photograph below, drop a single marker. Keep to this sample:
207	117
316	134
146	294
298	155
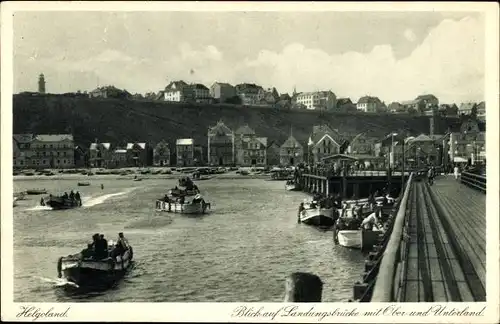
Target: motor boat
184	205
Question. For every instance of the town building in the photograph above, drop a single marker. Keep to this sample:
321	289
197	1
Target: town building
41	84
109	92
467	108
119	158
22	151
99	154
184	148
81	157
319	100
396	108
413	106
221	145
467	144
323	142
345	105
250	149
360	144
45	151
178	91
201	93
428	100
161	154
291	152
423	150
448	110
273	153
137	154
199	154
481	111
249	93
222	91
369	104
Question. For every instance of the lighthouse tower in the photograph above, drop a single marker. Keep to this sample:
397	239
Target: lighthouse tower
41	84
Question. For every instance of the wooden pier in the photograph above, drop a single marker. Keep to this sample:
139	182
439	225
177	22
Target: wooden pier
435	249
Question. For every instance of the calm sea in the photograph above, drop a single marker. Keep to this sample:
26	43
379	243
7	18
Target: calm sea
241	251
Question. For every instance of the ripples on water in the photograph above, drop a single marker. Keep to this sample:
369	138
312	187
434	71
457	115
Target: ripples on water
241	251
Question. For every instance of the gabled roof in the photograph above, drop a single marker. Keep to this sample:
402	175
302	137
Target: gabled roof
343	101
326	135
220	127
263	140
54	137
466	106
131	145
410	102
481	106
93	146
199	86
368	99
222	84
184	141
162	144
175	85
244	130
426	97
320	130
291	142
422	138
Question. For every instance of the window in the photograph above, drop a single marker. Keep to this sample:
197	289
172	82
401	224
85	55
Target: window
21	162
58	161
44	161
44	146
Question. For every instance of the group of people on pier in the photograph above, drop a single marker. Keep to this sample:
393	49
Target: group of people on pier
99	248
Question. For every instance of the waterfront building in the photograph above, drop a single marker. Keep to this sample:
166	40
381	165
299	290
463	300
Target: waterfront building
178	91
137	154
119	158
99	154
291	152
319	100
221	145
81	157
161	154
323	142
423	150
369	104
184	149
222	91
250	149
467	144
44	151
360	144
273	153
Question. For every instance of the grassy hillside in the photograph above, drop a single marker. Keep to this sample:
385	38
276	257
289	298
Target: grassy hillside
120	121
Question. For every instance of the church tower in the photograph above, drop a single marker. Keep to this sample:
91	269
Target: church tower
41	84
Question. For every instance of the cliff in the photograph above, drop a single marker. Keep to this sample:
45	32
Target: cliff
119	120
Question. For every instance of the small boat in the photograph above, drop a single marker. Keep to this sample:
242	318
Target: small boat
94	272
57	203
358	239
196	205
20	195
281	174
36	191
291	185
137	179
315	215
83	184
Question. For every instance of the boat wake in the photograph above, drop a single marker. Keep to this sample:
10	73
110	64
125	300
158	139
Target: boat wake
92	201
38	207
58	282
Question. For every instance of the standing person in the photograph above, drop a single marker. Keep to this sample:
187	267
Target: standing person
455	172
430	176
102	186
104	246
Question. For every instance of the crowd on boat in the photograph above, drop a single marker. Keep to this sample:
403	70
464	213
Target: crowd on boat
73	198
187	199
100	248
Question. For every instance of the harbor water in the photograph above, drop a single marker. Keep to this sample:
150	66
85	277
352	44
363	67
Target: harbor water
241	251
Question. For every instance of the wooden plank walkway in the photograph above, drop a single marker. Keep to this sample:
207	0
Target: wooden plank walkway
463	213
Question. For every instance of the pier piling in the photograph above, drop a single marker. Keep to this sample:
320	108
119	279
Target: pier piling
303	287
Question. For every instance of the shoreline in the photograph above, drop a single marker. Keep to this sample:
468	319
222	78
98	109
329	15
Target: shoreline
61	176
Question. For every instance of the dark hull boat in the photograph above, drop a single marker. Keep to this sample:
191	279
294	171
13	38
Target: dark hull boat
83	184
36	191
89	272
58	203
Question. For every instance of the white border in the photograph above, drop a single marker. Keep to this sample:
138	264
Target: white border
221	312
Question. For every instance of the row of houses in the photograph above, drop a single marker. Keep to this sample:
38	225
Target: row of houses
244	147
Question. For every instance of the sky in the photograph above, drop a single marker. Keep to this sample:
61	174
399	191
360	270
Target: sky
393	55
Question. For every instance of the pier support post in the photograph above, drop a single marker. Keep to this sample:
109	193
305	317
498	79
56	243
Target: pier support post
303	287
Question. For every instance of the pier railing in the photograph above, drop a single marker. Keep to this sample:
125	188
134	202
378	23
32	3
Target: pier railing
383	290
474	181
331	173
